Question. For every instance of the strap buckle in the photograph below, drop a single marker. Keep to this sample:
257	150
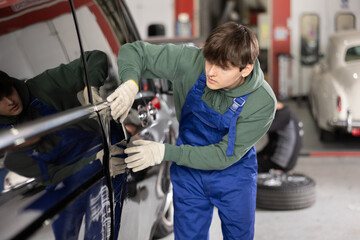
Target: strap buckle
236	104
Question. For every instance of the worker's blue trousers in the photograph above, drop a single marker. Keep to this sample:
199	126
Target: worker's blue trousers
196	192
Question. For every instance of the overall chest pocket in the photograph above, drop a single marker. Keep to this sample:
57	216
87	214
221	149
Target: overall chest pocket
206	120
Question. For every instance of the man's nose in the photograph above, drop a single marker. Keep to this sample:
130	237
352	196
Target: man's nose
212	70
8	100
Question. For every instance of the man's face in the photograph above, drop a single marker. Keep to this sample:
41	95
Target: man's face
227	78
11	105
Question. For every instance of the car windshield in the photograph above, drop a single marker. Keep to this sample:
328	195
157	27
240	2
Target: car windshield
352	54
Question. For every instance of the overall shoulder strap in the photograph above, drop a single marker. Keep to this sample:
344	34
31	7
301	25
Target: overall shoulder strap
201	82
235	108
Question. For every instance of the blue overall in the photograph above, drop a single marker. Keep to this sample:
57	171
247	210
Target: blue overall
231	190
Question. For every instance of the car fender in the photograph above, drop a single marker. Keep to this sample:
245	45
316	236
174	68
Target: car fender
328	90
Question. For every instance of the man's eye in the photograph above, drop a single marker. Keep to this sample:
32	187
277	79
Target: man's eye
224	68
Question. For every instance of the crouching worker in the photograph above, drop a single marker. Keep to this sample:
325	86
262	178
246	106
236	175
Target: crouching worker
224	106
284	142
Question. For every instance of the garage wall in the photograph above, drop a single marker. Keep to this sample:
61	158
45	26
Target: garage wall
280	37
153	12
326	10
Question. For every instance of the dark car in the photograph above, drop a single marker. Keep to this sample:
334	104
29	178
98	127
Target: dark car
56	180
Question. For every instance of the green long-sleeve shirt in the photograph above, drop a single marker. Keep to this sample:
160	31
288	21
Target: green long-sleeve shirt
182	65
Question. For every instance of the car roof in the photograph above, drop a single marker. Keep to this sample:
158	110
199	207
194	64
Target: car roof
348	37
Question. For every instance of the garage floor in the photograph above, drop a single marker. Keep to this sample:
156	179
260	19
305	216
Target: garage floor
336	213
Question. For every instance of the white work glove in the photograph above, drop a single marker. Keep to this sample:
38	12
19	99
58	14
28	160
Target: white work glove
122	99
117	163
145	154
83	96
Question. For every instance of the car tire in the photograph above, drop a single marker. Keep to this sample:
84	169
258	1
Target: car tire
165	223
284	191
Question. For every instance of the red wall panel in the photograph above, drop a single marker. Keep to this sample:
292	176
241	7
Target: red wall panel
280	37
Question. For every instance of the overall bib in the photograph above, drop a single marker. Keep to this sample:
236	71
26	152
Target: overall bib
231	190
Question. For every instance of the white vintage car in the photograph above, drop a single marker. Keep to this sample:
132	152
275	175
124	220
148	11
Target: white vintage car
334	94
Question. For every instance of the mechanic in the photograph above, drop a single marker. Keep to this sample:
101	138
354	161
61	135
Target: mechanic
54	90
284	142
214	160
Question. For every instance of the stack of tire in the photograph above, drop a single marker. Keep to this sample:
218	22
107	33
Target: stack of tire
282	191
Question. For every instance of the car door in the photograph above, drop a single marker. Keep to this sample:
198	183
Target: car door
53	180
54	168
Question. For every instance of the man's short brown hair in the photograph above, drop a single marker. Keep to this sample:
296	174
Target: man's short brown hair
231	43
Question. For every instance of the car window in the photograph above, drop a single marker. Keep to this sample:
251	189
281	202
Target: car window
105	26
42	68
36	36
352	54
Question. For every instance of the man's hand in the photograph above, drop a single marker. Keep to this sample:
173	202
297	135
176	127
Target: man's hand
122	99
83	96
145	154
117	163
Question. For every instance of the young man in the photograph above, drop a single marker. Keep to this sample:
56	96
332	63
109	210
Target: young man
214	160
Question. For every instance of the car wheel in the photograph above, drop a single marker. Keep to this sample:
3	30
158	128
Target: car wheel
165	223
284	191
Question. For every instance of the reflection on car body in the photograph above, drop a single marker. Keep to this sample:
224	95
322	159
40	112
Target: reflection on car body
334	91
59	184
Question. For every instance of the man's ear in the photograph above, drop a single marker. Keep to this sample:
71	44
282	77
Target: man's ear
247	70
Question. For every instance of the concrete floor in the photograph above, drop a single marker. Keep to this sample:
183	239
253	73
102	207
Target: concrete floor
336	212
